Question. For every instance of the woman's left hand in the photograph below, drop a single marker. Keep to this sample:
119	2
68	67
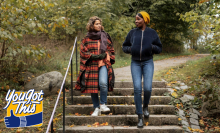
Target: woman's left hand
102	56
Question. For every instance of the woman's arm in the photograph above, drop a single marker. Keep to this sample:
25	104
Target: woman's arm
84	52
157	45
126	47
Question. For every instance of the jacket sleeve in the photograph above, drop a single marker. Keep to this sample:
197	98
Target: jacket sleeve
126	47
157	45
84	53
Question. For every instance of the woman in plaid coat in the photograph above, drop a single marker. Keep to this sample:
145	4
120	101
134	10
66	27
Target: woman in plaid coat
96	59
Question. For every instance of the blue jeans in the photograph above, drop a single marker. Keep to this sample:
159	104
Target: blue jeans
103	85
139	69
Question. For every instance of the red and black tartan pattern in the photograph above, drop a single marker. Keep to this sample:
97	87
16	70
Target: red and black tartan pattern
90	67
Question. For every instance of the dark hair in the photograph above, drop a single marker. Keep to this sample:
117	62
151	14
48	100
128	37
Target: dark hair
140	15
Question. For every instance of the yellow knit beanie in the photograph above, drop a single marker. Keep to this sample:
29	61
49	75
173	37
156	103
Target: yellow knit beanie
146	17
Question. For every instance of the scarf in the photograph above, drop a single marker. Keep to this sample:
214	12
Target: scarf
104	36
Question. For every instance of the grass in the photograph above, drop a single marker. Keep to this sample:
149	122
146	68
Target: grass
191	70
203	78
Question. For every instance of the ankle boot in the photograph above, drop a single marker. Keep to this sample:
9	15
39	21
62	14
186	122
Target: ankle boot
140	121
146	112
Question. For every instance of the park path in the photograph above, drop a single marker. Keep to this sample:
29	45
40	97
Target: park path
124	73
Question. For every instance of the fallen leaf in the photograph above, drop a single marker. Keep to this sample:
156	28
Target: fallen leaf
168	84
104	124
174	94
19	130
181	105
146	123
39	129
201	122
96	124
77	114
89	126
173	82
49	55
190	128
179	119
2	120
59	114
72	125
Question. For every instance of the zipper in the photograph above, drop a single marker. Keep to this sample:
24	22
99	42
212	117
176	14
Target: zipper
141	44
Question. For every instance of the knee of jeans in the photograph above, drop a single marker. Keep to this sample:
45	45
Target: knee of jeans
148	88
136	91
103	85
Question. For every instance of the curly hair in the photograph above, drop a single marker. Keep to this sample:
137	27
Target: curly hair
90	24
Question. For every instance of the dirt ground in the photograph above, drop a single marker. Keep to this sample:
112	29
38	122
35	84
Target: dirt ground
124	73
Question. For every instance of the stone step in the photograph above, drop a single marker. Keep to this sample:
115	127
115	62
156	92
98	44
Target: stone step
122	129
129	84
121	120
120	109
155	100
124	92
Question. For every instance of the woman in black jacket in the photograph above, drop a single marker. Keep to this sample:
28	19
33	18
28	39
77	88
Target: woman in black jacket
142	42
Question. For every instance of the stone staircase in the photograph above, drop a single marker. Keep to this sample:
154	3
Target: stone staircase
123	118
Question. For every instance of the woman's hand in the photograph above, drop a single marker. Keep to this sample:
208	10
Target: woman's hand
102	56
98	57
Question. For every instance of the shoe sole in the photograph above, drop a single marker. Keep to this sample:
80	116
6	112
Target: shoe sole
140	126
105	111
99	114
146	116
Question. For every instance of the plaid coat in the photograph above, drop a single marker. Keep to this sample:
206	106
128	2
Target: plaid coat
88	78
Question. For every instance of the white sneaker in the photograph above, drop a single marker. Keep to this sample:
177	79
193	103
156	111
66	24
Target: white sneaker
96	112
104	108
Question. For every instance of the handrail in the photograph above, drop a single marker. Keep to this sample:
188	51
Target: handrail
51	118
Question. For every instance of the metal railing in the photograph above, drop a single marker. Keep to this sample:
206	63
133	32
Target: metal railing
61	89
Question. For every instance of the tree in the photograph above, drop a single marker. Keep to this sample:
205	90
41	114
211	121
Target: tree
204	20
166	21
55	19
78	12
17	19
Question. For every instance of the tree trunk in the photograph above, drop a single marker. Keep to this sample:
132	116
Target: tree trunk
3	53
